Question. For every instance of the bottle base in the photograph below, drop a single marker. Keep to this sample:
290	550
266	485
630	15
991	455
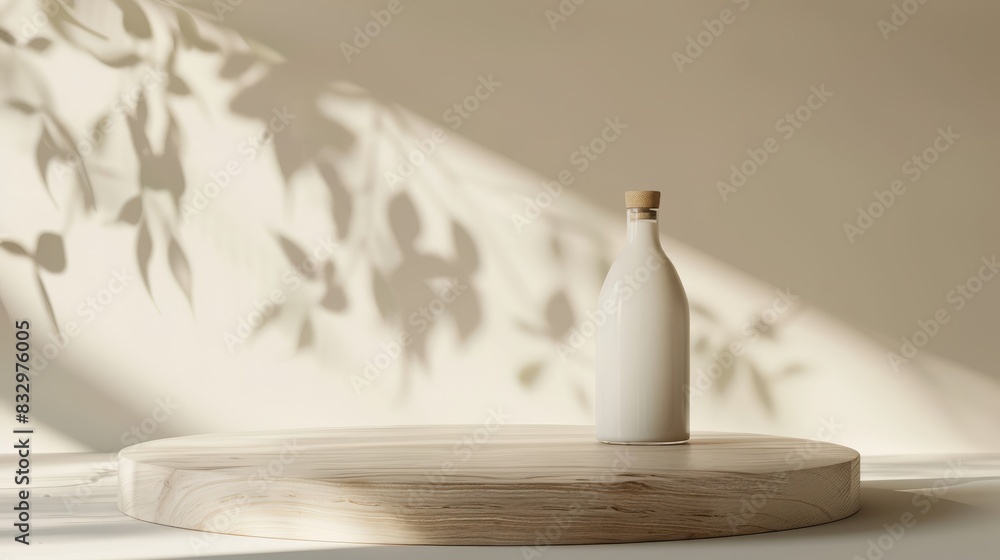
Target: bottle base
678	442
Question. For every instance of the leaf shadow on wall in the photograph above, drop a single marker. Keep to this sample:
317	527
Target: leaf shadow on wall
155	211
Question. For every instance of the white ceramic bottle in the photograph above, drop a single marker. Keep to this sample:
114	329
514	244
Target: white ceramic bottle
643	345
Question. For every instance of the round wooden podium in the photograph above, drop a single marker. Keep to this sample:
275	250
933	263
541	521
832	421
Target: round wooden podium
485	485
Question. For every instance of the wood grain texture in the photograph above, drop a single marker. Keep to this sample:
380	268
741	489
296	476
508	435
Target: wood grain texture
514	485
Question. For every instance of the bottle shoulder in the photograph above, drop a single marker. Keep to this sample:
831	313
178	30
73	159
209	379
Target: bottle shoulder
636	266
634	257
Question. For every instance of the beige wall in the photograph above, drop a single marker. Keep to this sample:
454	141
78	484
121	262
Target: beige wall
396	247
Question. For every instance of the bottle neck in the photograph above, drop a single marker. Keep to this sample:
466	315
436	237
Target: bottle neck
641	226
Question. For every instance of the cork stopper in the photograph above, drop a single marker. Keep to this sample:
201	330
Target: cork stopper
642	199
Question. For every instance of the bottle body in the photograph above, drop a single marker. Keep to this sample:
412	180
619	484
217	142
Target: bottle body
643	346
